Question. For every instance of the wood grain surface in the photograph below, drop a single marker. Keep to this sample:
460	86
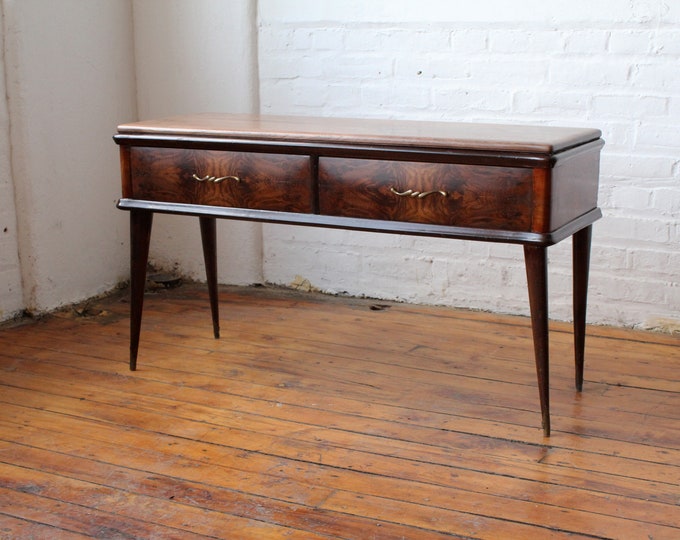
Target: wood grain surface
248	180
324	417
457	195
449	135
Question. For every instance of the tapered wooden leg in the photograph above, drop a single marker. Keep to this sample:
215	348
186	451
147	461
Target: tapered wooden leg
581	264
209	238
140	235
536	260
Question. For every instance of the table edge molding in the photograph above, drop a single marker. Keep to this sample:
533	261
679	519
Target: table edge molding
367	225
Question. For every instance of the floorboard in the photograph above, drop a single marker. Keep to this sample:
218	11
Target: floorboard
328	417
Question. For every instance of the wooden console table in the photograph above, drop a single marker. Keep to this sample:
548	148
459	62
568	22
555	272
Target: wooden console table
527	185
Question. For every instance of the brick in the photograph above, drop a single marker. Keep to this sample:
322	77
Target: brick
352	66
550	103
469	41
285	66
657	135
364	39
343	96
666	42
504	252
504	71
667	201
548	41
656	76
396	40
464	102
416	41
329	39
592	72
661	263
618	136
622	287
612	257
409	96
631	197
275	96
633	229
302	39
635	42
479	249
589	42
310	94
605	193
637	166
627	106
437	66
675	234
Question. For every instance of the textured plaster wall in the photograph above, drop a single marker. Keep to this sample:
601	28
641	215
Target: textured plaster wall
68	80
197	56
11	293
72	71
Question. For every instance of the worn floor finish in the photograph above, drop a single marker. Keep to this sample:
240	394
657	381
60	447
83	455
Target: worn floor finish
322	417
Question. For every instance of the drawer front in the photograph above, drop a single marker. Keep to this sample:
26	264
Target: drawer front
217	178
433	193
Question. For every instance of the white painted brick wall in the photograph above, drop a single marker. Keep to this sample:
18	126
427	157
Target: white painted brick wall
613	65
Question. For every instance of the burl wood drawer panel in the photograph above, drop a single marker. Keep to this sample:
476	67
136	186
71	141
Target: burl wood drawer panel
435	193
218	178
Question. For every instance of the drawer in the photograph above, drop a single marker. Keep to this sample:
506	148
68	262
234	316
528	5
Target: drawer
218	178
433	193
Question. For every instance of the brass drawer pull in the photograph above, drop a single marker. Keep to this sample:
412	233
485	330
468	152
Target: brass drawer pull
215	179
417	194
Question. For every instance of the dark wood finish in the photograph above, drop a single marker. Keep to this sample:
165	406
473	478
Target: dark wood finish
523	184
536	260
403	134
209	240
572	184
370	225
257	181
581	263
457	195
332	420
140	236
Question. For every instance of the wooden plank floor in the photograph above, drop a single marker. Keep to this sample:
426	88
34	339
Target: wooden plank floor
324	417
